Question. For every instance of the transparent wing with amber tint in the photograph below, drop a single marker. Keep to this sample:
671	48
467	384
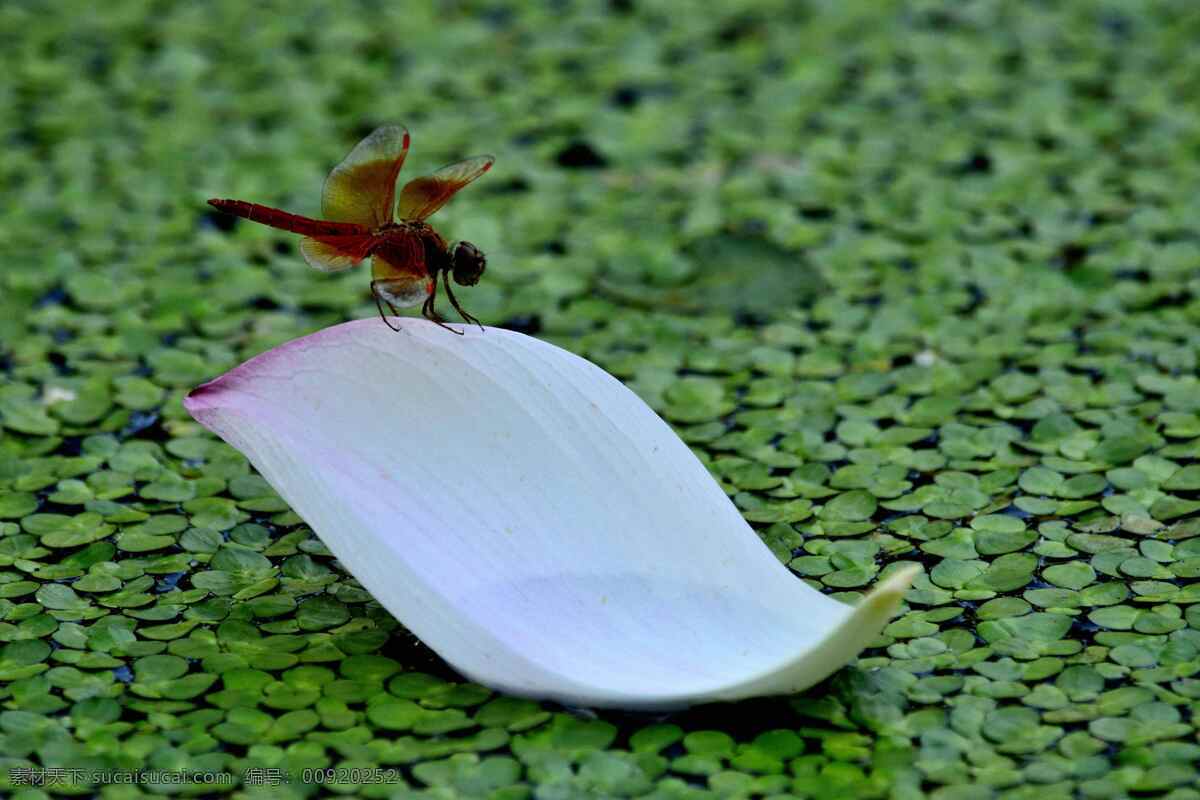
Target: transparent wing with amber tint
422	196
363	187
334	253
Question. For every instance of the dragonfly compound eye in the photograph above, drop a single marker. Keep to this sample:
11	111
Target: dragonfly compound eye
467	263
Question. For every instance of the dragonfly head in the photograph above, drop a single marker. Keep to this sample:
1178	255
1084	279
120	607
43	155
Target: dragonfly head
467	263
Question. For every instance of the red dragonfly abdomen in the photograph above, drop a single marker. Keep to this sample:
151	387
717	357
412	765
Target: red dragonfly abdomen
285	221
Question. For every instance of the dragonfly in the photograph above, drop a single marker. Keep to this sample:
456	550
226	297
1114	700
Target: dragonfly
364	216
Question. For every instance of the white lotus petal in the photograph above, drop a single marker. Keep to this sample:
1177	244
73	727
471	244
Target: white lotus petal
530	518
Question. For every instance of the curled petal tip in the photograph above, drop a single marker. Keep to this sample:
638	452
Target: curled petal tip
895	585
202	397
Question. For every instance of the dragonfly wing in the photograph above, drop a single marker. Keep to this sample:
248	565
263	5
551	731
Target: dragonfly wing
334	253
422	196
362	188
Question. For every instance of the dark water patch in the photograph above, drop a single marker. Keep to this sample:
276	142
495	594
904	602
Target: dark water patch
71	446
56	296
580	155
746	318
530	324
416	656
214	220
168	582
1072	254
514	185
742	26
978	163
626	97
817	213
142	421
59	362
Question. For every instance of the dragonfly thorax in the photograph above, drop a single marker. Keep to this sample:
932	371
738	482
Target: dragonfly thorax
410	226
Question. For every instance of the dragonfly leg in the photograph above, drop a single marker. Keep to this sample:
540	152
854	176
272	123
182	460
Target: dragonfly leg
454	302
379	305
430	313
